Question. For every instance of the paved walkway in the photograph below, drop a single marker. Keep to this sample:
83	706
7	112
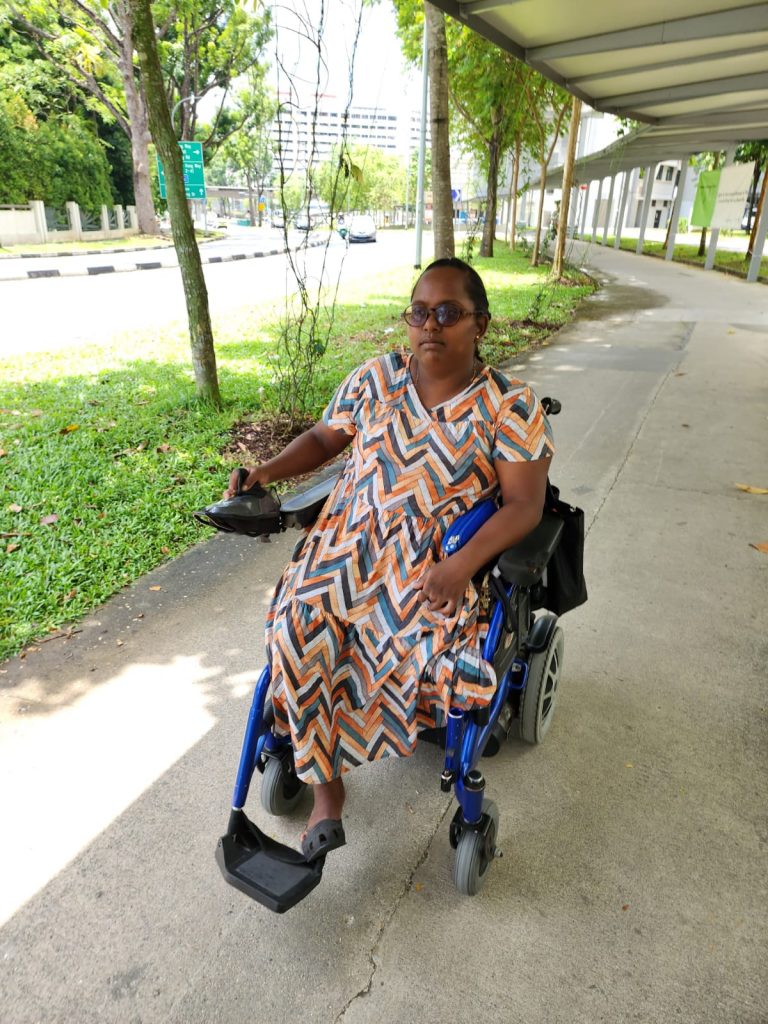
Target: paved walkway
633	882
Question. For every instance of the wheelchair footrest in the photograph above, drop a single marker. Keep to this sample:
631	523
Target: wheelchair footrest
269	872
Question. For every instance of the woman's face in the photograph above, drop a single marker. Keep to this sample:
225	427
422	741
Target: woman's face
434	344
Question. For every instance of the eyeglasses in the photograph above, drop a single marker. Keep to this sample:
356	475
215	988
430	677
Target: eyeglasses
447	314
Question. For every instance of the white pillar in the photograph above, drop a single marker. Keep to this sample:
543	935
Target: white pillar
596	214
584	211
649	175
757	254
676	209
38	212
611	187
75	224
715	232
572	212
622	208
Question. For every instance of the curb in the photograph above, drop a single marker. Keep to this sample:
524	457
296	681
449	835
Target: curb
108	268
82	252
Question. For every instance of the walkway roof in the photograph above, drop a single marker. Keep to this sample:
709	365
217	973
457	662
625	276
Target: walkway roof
697	81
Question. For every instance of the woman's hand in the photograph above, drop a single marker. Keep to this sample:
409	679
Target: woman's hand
256	474
443	585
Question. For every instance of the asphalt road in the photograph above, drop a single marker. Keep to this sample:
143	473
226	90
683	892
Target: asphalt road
54	313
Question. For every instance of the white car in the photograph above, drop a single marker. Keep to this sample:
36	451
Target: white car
362	228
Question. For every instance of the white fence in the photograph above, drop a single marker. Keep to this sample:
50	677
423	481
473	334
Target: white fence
37	222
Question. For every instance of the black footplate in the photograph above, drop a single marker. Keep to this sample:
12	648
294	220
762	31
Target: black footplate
269	872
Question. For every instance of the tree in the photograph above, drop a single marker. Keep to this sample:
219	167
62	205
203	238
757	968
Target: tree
487	90
570	156
756	151
249	152
375	180
159	115
546	107
91	42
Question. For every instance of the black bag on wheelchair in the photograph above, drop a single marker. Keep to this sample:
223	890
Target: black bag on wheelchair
566	587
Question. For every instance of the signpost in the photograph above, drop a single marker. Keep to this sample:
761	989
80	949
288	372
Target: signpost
194	174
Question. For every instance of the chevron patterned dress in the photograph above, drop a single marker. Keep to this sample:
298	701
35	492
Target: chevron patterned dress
359	662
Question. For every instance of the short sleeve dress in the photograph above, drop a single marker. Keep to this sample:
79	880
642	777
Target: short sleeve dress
359	662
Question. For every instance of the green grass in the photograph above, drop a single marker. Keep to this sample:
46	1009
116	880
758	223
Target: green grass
110	440
107	244
725	259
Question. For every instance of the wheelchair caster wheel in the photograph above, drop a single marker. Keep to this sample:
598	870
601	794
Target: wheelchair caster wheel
475	852
540	694
281	788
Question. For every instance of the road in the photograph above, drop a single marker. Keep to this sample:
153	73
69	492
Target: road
47	314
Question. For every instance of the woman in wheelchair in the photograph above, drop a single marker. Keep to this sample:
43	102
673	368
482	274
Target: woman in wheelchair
372	636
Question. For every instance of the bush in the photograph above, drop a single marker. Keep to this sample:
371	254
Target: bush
682	225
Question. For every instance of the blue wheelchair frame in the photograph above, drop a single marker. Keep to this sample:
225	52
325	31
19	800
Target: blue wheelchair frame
278	876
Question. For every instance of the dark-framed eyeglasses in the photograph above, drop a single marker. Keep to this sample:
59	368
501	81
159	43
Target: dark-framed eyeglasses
447	314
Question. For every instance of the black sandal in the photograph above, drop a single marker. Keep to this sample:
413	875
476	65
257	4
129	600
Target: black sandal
323	837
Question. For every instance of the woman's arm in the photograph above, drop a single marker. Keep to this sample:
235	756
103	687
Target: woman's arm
523	485
306	452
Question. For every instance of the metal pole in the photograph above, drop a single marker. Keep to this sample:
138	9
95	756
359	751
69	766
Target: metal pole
649	173
676	208
609	208
626	189
422	147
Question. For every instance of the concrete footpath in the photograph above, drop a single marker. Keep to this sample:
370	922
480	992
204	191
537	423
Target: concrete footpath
633	882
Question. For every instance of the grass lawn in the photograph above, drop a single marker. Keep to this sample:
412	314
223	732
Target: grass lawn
107	244
105	452
725	259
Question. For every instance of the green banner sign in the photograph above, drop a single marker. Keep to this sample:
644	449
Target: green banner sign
706	197
194	174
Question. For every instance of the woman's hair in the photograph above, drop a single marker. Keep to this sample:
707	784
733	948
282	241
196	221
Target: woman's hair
472	281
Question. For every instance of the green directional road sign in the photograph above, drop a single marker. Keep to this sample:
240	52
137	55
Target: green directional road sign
194	175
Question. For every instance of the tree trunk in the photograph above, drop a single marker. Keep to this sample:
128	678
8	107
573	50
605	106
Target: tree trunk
703	242
537	239
565	203
195	291
515	184
137	119
442	201
489	228
760	204
251	207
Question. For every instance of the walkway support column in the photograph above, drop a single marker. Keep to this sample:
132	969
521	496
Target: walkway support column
676	208
596	215
649	176
608	208
714	233
757	252
584	211
622	208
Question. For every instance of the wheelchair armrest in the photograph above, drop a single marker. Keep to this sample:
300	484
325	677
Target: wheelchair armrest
302	509
466	525
524	563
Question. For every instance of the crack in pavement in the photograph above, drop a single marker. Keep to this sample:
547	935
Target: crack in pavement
366	989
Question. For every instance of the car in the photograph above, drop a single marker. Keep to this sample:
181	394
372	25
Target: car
277	220
303	223
362	228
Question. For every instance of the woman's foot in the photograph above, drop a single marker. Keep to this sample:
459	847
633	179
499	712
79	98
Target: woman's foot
324	831
329	803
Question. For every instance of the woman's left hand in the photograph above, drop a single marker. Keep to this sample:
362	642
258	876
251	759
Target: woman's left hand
443	586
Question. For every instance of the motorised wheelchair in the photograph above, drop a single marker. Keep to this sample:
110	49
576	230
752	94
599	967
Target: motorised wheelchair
524	643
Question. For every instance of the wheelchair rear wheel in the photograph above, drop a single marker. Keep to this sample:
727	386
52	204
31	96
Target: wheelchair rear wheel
540	694
475	853
281	788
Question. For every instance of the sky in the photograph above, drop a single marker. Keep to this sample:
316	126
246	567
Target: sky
381	78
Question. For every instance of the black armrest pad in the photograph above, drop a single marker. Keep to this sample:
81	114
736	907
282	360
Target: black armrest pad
303	508
524	563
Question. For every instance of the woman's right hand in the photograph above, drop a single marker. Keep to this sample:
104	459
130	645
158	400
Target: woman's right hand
256	474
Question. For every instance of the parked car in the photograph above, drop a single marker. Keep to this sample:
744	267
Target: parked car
303	223
362	228
277	220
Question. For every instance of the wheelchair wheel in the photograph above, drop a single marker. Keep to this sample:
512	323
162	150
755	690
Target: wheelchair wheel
540	694
475	853
281	788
